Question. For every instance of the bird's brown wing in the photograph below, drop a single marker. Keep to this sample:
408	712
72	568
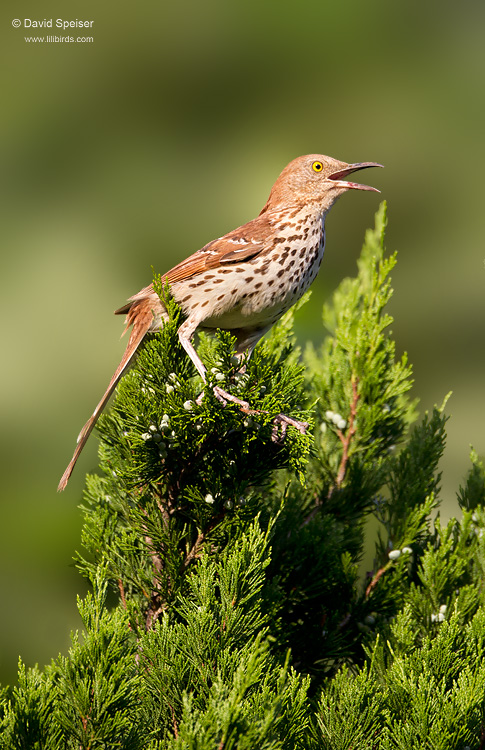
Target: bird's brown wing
242	244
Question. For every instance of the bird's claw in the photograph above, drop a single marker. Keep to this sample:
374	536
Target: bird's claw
281	423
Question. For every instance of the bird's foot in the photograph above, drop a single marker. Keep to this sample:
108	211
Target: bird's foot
281	423
223	396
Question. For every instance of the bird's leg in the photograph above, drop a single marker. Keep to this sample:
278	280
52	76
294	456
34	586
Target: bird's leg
185	333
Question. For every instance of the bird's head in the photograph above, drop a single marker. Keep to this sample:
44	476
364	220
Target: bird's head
316	179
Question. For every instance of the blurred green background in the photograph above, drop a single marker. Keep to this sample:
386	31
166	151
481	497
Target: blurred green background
167	131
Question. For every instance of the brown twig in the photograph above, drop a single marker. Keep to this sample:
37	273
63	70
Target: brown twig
376	577
343	623
155	607
174	721
192	553
346	438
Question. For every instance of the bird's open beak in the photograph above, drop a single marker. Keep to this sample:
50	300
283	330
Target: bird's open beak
336	176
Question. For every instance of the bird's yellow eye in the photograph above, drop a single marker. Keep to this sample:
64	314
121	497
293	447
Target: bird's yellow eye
317	166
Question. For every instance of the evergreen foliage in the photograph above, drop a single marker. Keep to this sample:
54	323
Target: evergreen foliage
243	618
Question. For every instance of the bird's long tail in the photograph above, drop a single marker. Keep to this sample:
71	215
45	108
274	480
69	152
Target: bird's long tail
140	315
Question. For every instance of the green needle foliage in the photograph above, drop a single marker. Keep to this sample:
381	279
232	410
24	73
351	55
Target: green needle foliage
229	606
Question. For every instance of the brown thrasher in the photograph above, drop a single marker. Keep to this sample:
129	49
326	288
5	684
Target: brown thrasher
245	281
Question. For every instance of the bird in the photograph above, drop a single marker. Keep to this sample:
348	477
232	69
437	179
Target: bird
244	281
